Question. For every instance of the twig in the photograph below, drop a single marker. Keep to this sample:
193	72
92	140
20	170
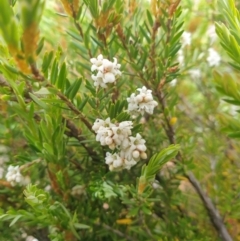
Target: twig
120	234
76	133
3	82
79	28
144	225
208	204
212	211
73	108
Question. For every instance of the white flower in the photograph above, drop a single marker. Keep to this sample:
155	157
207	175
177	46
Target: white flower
104	136
1	172
195	73
98	81
121	132
136	148
141	103
173	82
104	132
31	238
4	149
25	181
3	159
186	39
99	122
212	33
13	175
180	57
114	161
106	71
97	62
213	58
47	188
78	190
117	162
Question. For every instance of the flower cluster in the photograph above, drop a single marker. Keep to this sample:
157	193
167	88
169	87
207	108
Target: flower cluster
106	71
119	136
13	175
143	102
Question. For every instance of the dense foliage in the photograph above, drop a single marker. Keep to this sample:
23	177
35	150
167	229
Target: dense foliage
119	120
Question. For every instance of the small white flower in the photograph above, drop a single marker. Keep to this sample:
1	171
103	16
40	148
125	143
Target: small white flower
98	81
212	33
135	150
129	163
101	123
48	188
3	159
26	180
97	62
114	161
180	57
195	73
31	238
141	103
155	184
4	149
186	39
78	190
121	132
1	172
213	58
103	136
107	71
173	82
13	175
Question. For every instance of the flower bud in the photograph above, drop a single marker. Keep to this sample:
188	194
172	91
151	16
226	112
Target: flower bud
173	121
135	154
143	155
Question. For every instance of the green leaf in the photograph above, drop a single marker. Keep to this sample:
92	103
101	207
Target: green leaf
234	135
62	77
47	59
54	72
73	89
40	46
158	160
81	226
149	16
8	25
83	103
15	220
38	101
145	34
